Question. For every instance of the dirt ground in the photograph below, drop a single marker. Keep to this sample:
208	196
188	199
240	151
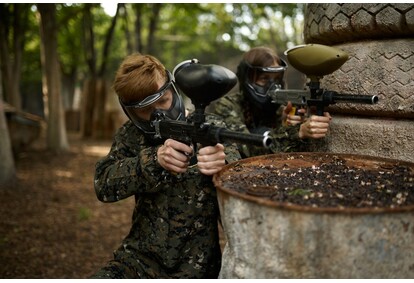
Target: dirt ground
52	225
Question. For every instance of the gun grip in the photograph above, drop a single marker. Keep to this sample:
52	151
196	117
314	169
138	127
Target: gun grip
291	112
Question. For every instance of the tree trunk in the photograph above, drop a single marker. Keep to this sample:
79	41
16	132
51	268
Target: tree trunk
88	100
88	93
99	115
153	27
68	89
128	37
7	168
138	8
56	130
99	124
11	54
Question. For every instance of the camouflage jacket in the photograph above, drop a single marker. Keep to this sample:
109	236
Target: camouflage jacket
286	138
174	224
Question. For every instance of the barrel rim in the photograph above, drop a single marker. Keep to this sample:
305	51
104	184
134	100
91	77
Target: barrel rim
290	206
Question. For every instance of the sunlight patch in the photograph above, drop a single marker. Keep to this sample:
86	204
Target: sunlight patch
62	173
96	150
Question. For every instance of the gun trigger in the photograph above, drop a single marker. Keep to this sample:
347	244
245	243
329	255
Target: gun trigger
192	157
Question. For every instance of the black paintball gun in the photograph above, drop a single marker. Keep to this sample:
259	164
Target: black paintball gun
316	61
202	84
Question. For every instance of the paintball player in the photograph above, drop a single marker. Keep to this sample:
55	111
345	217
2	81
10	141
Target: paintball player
251	110
174	231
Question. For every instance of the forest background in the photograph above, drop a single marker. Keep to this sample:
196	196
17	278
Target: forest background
58	112
58	60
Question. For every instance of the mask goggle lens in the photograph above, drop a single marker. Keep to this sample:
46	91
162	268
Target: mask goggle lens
153	97
273	81
175	112
278	69
263	84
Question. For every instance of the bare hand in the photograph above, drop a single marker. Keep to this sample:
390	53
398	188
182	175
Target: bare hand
174	156
211	159
315	127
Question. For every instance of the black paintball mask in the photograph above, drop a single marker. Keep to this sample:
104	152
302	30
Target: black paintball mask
257	94
175	112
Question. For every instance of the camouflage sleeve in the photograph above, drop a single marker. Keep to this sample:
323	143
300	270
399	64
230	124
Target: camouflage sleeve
285	139
230	110
129	168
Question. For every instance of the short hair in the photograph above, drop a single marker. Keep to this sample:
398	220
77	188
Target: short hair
138	77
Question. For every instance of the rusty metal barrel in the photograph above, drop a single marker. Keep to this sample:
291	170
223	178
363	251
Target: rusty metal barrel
270	238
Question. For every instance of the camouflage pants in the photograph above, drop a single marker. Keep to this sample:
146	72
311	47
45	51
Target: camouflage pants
115	270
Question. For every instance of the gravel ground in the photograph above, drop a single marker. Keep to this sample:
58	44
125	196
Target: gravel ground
52	225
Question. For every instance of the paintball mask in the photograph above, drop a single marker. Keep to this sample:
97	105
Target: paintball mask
175	112
257	94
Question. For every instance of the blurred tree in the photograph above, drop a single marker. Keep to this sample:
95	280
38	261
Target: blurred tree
211	32
69	20
56	129
144	13
268	24
7	167
13	27
94	90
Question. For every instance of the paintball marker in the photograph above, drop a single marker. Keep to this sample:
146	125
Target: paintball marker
316	61
202	84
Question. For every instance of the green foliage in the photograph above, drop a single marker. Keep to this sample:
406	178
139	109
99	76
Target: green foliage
84	214
70	35
211	32
31	68
215	32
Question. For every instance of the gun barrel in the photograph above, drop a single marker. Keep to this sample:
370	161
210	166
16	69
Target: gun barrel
224	135
363	99
207	134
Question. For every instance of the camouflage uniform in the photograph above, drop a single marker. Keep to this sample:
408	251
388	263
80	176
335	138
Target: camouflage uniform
174	231
237	114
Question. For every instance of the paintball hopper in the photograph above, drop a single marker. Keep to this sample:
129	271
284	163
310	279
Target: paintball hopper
316	60
203	83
